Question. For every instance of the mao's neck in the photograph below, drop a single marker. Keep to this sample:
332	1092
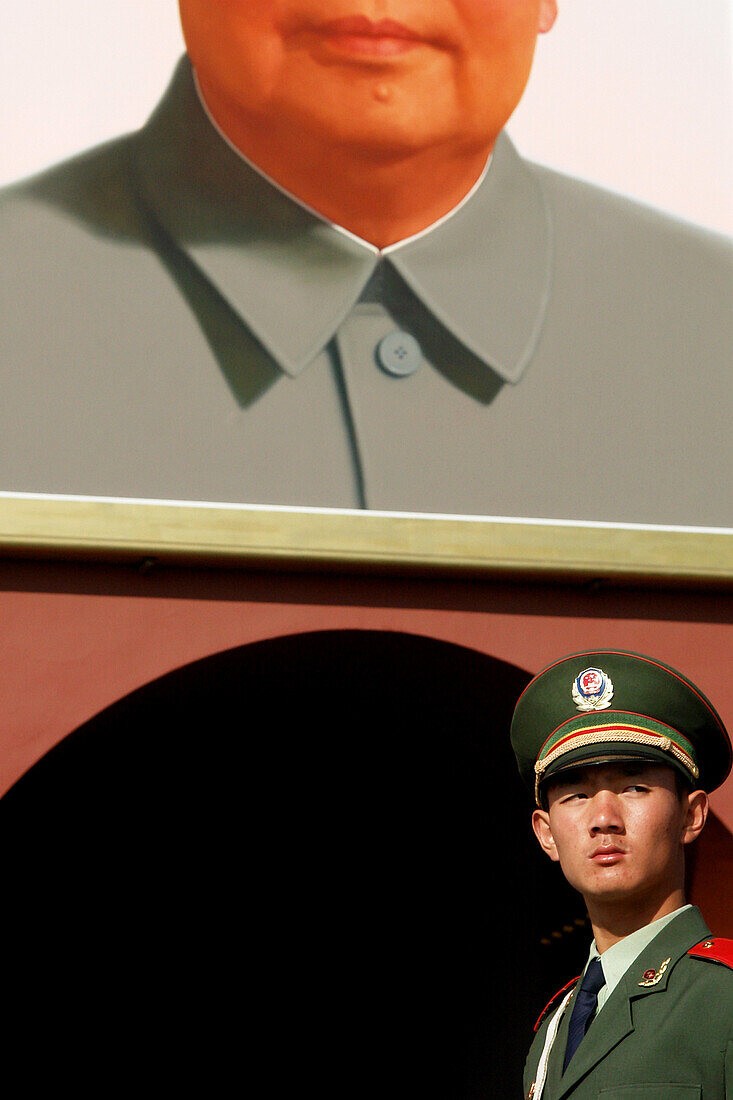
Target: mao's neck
381	196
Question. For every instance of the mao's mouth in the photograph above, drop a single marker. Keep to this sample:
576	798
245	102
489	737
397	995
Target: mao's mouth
362	27
358	35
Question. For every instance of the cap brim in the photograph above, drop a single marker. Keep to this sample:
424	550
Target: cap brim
619	753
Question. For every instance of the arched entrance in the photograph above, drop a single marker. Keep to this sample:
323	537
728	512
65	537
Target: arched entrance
301	864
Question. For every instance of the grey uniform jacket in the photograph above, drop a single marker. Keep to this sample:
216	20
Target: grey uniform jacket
174	326
672	1040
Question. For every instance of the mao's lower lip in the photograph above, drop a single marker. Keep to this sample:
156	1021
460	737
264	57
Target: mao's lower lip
358	36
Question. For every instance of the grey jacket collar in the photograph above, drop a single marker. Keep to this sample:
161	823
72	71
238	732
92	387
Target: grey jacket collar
484	274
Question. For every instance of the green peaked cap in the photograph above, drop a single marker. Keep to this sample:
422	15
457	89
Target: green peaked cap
605	705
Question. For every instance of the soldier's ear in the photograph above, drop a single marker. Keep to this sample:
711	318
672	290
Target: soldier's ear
548	15
695	816
543	832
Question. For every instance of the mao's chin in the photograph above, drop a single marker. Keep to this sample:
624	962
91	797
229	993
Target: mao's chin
382	125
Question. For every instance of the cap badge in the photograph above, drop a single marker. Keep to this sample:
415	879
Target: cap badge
592	690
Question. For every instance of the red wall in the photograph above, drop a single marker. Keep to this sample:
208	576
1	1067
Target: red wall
76	637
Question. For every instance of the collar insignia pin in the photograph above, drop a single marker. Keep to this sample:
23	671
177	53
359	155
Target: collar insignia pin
592	690
651	977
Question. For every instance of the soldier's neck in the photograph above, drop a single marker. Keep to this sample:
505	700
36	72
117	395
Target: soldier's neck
614	920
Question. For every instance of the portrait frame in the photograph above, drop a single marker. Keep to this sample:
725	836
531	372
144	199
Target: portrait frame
43	524
42	521
185	532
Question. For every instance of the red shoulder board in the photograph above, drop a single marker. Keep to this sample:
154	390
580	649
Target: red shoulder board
559	994
720	951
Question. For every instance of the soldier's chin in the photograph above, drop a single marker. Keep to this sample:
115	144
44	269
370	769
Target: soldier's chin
604	885
609	893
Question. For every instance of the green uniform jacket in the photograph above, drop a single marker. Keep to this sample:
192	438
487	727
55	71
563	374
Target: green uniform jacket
669	1041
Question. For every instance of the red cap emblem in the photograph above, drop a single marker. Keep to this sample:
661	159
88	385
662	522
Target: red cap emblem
591	682
592	690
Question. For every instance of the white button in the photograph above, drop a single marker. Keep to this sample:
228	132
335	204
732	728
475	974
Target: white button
399	354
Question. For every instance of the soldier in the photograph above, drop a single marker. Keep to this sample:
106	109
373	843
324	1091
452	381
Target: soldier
621	751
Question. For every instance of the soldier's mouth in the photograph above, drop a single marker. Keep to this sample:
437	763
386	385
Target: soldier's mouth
607	856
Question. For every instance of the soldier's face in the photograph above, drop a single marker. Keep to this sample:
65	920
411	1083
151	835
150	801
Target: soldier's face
618	831
381	74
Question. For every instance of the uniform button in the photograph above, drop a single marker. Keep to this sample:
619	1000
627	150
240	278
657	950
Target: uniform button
399	354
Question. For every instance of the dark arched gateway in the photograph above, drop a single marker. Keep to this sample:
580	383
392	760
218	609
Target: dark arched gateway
302	865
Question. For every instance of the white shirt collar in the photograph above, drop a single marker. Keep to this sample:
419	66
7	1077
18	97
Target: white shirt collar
616	960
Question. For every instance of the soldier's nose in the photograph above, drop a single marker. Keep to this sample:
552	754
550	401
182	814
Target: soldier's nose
605	815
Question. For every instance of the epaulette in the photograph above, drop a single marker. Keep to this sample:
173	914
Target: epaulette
559	994
717	950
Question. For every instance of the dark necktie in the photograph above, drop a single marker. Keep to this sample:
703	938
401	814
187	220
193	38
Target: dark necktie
584	1007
